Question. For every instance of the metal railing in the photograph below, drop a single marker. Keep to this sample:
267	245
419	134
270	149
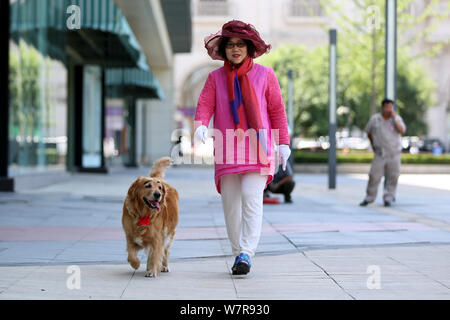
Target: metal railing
212	8
305	8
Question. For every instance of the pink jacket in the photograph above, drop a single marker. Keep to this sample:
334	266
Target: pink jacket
213	100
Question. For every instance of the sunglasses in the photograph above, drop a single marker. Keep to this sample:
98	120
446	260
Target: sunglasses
230	45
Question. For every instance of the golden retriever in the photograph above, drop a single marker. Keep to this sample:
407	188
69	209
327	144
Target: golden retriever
149	218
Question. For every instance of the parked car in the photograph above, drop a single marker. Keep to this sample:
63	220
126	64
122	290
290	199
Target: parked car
411	144
307	143
353	143
430	144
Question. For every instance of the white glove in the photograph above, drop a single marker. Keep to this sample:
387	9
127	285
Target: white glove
200	133
283	153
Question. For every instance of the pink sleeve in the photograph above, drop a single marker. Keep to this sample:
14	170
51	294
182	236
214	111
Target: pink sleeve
275	108
206	102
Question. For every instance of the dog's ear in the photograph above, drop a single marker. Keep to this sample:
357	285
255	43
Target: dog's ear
132	191
134	205
164	195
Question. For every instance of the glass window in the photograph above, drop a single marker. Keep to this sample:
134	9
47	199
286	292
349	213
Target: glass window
38	107
114	143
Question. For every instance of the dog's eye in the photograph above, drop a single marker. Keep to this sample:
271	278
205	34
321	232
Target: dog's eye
160	188
148	185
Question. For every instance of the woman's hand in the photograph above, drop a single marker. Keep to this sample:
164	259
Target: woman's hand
284	152
200	133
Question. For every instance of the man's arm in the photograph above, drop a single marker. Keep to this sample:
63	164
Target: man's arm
398	125
371	141
368	130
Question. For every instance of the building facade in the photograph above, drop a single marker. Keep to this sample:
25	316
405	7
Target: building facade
81	75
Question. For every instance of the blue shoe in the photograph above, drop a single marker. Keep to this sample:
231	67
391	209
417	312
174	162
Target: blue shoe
241	264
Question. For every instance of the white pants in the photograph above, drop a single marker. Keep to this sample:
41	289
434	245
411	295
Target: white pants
242	201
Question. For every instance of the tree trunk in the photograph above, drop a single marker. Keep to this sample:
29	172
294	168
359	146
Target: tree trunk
373	96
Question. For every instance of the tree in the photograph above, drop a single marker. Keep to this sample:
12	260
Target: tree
360	68
25	67
414	91
310	83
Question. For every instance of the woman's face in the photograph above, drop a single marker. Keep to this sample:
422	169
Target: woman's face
236	50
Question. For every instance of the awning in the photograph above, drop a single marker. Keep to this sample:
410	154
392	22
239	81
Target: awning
29	22
104	36
132	82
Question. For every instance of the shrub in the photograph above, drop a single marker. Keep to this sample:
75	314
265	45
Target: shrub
366	157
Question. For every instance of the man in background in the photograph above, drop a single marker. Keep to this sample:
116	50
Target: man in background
384	131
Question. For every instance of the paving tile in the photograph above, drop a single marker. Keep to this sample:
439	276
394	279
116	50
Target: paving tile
430	236
322	239
203	248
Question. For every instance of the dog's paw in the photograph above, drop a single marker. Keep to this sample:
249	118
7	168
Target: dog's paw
165	269
134	263
151	274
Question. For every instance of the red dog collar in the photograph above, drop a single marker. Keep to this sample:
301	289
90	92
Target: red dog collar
144	221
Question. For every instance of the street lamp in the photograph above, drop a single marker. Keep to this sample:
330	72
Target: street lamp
332	112
391	50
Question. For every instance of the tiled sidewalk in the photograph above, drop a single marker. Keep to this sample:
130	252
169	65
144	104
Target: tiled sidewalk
78	222
404	273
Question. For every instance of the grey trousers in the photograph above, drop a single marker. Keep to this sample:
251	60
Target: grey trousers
389	167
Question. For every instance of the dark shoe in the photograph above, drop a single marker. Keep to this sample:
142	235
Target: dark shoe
387	203
287	198
241	265
364	203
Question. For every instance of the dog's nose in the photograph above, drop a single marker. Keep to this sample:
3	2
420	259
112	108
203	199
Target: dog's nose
156	195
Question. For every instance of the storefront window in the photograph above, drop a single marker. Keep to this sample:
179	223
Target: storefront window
114	144
38	110
118	144
38	95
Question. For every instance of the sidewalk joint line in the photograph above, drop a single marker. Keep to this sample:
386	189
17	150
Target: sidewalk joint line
307	257
24	277
232	281
342	288
128	283
420	272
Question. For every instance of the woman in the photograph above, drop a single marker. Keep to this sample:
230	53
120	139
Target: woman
246	101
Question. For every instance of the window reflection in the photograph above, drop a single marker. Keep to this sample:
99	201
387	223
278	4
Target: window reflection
38	108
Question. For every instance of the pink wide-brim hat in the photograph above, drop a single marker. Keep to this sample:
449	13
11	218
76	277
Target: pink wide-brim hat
238	29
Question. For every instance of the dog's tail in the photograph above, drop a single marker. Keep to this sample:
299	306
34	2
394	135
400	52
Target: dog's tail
159	167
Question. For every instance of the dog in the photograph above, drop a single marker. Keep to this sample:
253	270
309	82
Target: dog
149	219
